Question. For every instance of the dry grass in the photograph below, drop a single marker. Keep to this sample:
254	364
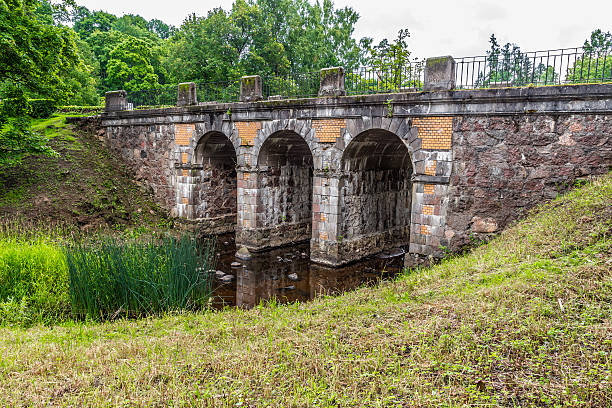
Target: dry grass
523	321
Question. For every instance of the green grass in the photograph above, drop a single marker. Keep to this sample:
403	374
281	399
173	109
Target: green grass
49	276
523	321
33	279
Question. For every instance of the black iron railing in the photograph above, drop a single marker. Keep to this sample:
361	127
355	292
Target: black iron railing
504	68
157	97
513	68
221	92
291	86
166	95
386	79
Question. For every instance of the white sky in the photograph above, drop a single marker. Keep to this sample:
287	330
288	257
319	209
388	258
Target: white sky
444	27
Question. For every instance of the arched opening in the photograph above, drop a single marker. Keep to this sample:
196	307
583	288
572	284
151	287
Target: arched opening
375	195
285	188
218	184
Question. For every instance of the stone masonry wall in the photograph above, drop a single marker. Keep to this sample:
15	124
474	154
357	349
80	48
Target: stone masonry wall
147	150
506	165
375	210
286	202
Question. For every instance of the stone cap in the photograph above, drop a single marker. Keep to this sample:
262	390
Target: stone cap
332	82
187	94
115	101
251	88
439	74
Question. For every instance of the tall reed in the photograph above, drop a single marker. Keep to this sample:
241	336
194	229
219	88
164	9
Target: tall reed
112	278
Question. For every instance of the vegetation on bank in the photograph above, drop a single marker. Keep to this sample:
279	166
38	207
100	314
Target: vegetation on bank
49	277
521	321
84	186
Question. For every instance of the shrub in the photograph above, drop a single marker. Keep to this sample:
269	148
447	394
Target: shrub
42	108
112	278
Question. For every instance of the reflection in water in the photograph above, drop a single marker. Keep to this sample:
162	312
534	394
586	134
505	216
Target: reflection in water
287	275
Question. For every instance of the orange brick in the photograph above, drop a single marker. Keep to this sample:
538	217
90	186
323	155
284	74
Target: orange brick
185	200
428	209
428	189
184	157
185	173
247	131
431	169
435	132
183	132
424	230
328	130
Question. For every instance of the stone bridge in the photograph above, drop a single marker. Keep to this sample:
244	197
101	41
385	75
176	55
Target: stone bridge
356	175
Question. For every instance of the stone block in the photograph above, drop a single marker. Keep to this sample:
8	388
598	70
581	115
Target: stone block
187	94
439	74
332	82
115	101
251	88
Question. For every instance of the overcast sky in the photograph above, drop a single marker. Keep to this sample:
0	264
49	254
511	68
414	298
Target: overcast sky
443	27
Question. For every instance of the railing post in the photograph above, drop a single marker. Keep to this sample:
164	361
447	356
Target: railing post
332	82
115	101
439	74
250	88
187	94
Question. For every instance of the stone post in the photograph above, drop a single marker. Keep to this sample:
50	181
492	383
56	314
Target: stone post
115	101
248	209
439	74
332	82
187	94
250	88
325	242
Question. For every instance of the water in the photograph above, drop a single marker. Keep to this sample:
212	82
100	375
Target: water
287	275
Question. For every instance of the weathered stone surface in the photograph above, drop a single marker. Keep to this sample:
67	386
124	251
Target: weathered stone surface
439	74
251	88
484	225
187	94
332	82
115	101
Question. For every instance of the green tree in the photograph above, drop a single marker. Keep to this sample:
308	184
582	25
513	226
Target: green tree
595	64
129	66
86	22
508	66
35	58
265	37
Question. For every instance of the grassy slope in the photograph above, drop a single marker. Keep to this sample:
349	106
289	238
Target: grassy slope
85	186
525	320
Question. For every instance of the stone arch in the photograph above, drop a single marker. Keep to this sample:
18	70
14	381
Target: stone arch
285	164
401	128
375	193
215	159
300	128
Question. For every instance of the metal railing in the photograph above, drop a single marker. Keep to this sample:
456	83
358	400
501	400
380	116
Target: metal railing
513	68
505	68
291	86
390	79
221	92
165	95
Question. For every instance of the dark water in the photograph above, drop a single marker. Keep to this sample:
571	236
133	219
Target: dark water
287	274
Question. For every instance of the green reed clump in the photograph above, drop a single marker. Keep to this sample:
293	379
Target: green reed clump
112	278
